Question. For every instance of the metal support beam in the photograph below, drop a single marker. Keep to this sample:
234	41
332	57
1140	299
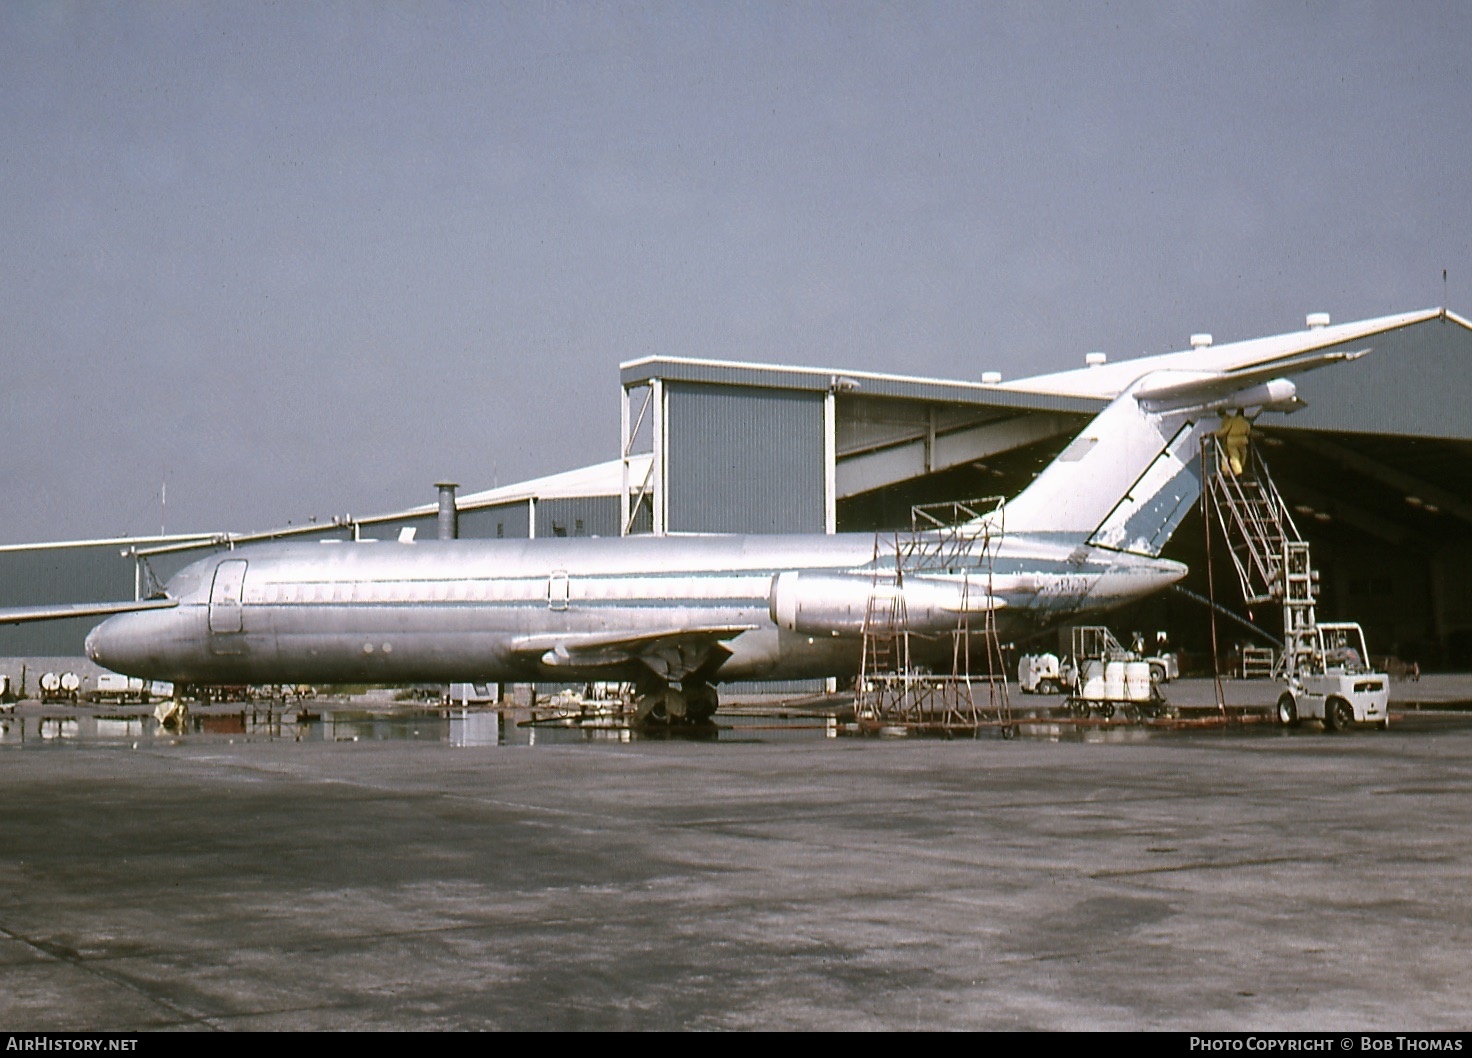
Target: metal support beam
658	470
631	499
830	464
933	451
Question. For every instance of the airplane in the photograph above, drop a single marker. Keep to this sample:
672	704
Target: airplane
678	615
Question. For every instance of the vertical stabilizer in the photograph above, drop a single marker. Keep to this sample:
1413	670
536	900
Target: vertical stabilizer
1126	481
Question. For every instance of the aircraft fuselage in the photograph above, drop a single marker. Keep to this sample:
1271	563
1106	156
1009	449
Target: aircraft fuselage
569	610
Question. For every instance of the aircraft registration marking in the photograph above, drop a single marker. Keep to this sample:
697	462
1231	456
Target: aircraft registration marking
1054	587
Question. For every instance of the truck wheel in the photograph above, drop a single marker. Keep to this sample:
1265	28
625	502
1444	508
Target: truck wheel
1157	673
1338	715
1287	711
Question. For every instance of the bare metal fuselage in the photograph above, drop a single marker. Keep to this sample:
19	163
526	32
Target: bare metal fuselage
555	610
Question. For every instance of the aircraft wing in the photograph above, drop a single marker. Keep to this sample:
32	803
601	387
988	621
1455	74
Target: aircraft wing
1204	389
61	611
672	653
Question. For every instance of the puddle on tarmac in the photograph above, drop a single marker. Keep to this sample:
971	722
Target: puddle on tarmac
451	726
459	726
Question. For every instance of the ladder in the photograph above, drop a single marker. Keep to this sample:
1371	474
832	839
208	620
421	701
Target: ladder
1271	557
886	643
1254	520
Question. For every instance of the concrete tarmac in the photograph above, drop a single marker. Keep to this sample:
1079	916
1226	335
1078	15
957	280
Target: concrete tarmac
1244	878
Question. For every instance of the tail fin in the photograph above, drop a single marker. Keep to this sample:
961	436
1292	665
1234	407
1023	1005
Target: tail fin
1127	481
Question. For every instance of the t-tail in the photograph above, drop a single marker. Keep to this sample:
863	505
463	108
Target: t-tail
1128	480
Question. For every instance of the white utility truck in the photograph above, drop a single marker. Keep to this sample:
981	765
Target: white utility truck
111	687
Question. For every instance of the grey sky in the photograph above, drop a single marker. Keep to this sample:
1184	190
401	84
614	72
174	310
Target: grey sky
309	259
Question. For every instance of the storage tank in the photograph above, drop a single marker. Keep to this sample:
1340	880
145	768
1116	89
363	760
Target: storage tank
1091	679
1137	681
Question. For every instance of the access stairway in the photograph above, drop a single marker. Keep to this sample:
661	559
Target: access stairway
1325	670
1270	555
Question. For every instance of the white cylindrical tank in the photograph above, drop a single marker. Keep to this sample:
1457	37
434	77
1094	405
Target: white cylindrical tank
50	682
1091	680
1114	681
1137	681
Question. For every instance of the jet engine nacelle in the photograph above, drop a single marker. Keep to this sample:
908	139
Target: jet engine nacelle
1278	394
835	604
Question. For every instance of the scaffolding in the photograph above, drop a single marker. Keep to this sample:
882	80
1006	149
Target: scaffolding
955	545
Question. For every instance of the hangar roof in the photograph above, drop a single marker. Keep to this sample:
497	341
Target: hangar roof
1084	389
600	479
1106	381
845	380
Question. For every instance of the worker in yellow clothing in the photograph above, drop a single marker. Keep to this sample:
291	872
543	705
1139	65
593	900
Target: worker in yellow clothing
1234	432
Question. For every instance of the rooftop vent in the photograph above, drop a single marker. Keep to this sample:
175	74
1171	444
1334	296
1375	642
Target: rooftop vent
1200	341
991	378
1096	359
449	518
1316	320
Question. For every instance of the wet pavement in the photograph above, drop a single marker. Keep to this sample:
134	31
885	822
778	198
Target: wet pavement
374	869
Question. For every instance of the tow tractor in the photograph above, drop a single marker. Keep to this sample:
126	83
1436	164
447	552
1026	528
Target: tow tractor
1333	682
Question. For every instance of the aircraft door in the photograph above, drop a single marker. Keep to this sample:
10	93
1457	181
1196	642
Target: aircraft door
557	590
225	596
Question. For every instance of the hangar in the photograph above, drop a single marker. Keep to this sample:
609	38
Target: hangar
1377	467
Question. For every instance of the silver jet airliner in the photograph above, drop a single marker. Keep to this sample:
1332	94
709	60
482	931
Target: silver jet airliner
676	615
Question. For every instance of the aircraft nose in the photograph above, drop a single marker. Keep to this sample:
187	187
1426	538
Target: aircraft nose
117	644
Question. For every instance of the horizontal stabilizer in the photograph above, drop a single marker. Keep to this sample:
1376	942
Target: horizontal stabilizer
1248	387
61	611
1127	481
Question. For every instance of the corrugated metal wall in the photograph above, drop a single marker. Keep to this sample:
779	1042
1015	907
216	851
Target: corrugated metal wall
576	516
507	521
579	516
744	460
1412	384
425	526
